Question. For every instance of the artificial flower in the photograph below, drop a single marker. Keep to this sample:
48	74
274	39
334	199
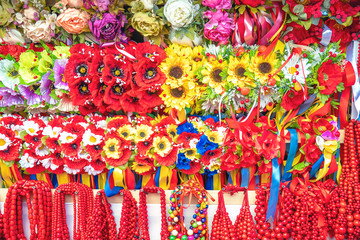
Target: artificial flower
268	145
59	70
236	71
180	13
28	92
9	75
293	99
264	67
148	75
219	27
73	20
251	3
329	77
146	24
143	133
217	4
177	70
178	97
108	26
213	75
27	63
182	162
205	145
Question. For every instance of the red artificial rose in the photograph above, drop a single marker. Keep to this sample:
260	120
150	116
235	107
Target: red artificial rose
248	158
211	155
329	76
339	32
292	99
229	160
306	125
312	151
267	145
148	75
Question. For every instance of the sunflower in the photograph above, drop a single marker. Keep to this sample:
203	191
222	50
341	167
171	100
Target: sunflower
111	148
162	146
214	136
236	71
178	51
126	132
190	153
211	74
142	133
139	168
197	58
171	130
177	70
27	63
262	68
178	97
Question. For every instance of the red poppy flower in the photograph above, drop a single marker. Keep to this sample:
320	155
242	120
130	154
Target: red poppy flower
75	163
230	138
165	122
38	168
97	89
75	120
77	69
184	138
12	151
229	160
74	128
322	125
340	32
251	3
97	65
144	146
88	108
94	150
195	167
57	158
148	75
144	160
80	93
12	50
116	71
132	102
248	158
210	155
117	122
33	140
150	51
329	76
57	121
151	99
58	170
306	125
113	96
169	159
10	121
98	163
267	145
71	149
292	99
124	158
265	167
312	151
266	124
83	49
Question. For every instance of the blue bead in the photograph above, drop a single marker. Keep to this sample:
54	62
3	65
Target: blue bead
172	208
197	205
201	211
203	220
191	227
194	216
196	235
324	13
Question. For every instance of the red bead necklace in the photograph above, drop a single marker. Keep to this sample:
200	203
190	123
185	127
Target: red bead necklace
83	205
142	232
222	227
39	210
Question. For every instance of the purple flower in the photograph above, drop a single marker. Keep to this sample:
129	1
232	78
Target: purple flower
28	92
108	26
333	135
46	87
10	98
59	69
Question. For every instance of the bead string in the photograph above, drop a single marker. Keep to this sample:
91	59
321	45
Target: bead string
83	205
38	199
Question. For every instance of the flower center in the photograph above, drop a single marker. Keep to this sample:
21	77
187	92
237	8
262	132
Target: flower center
97	147
142	134
176	72
2	142
112	148
117	72
13	73
265	67
103	87
146	143
125	134
240	71
83	88
161	146
292	70
100	68
117	90
34	87
74	146
92	139
197	59
216	75
81	70
177	92
172	133
190	152
150	73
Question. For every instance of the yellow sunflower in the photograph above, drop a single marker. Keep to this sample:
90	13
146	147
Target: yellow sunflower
178	51
177	70
162	146
178	97
126	132
197	59
214	136
139	169
142	132
172	131
262	68
236	71
111	148
212	76
190	153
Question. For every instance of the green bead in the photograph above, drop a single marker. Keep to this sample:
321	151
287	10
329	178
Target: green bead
184	237
170	211
173	199
172	237
202	238
194	225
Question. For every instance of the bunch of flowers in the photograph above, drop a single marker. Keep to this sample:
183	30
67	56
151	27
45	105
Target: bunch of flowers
125	77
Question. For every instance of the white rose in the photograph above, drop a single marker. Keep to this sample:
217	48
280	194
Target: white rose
148	4
180	13
185	41
38	31
12	36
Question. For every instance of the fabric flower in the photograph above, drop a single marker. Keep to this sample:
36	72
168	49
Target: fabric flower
9	75
312	151
180	13
28	92
251	3
107	26
73	20
292	99
59	70
217	4
27	63
148	75
41	30
182	162
268	145
146	24
205	145
46	87
220	26
329	76
248	158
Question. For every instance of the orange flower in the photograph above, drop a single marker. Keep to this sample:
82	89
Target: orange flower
73	20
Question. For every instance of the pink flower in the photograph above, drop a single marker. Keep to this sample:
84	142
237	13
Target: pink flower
217	4
220	26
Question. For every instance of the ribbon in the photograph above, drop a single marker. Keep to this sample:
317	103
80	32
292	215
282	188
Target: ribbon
45	177
316	166
62	178
96	182
307	104
139	183
352	54
109	192
326	36
245	177
85	179
292	152
329	148
274	190
54	182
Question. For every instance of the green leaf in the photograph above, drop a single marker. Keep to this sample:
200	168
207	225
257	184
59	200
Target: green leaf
123	167
23	134
43	139
242	9
300	166
298	9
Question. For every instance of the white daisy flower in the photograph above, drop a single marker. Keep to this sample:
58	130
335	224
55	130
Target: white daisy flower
47	163
89	138
9	76
91	171
27	162
42	150
294	69
4	142
70	170
31	127
66	137
52	132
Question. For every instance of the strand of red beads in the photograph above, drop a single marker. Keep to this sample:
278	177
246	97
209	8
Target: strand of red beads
39	210
83	205
142	231
129	216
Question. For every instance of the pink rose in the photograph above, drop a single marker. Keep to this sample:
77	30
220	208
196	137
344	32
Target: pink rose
73	20
31	13
217	4
220	26
75	3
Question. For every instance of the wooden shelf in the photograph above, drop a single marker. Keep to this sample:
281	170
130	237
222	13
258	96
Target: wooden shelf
235	199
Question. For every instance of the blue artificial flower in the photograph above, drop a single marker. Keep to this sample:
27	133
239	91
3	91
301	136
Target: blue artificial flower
215	117
186	127
205	145
207	172
182	163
